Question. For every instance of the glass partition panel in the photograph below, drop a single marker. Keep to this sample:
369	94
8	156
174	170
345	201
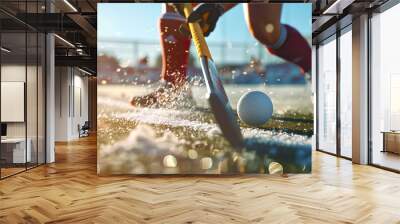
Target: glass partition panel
14	153
32	97
41	99
22	88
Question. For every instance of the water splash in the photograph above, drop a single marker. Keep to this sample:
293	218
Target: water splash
176	118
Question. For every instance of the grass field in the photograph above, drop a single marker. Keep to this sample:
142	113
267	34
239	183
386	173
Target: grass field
185	140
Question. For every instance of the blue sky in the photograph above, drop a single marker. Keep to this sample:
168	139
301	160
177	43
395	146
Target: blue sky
138	21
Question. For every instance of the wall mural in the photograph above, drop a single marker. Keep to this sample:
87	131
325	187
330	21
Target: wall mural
204	88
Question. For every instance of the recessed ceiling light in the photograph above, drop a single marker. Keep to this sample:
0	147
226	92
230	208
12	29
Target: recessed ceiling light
70	5
64	40
5	50
84	71
337	7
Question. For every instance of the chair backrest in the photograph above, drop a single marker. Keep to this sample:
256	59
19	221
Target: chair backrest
86	125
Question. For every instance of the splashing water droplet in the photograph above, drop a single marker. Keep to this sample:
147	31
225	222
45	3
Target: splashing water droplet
275	168
170	161
192	154
206	163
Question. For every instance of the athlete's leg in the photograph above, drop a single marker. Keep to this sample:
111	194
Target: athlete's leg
174	47
175	55
281	40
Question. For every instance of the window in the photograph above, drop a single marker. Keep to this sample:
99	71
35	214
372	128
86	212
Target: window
327	97
346	94
385	89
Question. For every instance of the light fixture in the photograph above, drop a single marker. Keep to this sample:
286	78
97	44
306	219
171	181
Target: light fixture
70	5
337	7
65	41
5	50
80	51
84	71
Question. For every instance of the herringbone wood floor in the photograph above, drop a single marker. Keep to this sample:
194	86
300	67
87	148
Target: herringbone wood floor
69	191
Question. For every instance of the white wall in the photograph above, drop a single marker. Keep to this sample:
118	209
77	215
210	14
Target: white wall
33	126
16	73
62	81
13	73
71	94
79	103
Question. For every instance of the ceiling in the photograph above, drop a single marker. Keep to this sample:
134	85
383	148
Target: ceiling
75	22
332	15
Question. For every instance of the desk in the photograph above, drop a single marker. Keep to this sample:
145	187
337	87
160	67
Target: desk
15	148
391	141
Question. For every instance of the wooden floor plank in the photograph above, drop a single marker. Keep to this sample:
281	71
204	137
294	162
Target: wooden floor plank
69	191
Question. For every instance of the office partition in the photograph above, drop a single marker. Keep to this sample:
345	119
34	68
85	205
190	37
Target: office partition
22	78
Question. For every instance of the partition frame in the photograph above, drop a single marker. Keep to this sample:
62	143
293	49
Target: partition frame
337	34
44	94
381	9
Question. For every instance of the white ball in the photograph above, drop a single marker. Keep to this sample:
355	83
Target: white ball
255	108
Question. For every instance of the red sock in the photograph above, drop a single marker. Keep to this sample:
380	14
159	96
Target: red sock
294	48
175	49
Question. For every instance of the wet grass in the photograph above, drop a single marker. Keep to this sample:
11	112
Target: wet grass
291	122
256	158
282	143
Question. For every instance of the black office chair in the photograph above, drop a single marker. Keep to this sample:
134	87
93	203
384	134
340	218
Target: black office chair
84	130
